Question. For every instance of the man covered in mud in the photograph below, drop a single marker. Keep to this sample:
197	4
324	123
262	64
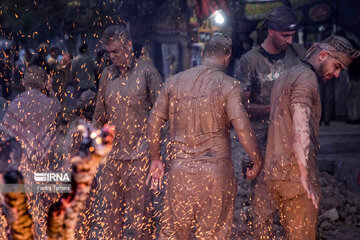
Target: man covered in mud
295	110
32	118
127	90
258	70
200	104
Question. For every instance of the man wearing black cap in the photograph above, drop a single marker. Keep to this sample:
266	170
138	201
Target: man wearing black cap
257	70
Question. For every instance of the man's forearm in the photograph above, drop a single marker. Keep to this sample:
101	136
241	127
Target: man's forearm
301	116
258	110
154	135
255	110
301	143
248	140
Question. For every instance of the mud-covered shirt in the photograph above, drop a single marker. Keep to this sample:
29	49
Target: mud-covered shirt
298	84
257	70
33	117
200	104
124	100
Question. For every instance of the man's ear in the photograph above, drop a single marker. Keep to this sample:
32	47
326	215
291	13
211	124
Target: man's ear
129	45
271	32
227	58
322	55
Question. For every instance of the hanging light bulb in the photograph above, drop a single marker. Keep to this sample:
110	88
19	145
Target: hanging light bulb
219	17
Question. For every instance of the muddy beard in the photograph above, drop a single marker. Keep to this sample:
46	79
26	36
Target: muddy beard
322	71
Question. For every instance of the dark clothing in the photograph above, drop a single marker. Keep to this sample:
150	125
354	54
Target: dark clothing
40	60
258	70
5	79
83	69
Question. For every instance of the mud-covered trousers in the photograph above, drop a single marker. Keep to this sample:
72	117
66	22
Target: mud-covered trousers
297	213
121	206
263	205
199	200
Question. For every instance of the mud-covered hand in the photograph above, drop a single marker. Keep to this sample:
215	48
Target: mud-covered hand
254	171
156	174
309	188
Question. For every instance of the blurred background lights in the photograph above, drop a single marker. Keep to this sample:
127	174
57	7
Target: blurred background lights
219	17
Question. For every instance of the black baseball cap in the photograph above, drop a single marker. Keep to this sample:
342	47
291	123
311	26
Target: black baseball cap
282	19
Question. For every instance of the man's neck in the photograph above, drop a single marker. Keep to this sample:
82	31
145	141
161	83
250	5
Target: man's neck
32	89
215	62
270	47
313	63
124	68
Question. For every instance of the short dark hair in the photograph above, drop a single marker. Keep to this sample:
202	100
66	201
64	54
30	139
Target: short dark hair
116	32
34	77
218	45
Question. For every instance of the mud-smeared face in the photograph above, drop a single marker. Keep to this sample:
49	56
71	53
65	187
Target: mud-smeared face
282	40
120	52
329	68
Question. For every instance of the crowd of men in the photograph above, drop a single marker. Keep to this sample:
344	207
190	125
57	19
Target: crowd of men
273	105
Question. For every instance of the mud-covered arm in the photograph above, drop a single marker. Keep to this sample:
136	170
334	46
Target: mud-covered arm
256	110
156	171
301	143
154	133
158	115
99	117
245	74
248	140
239	119
302	97
153	83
